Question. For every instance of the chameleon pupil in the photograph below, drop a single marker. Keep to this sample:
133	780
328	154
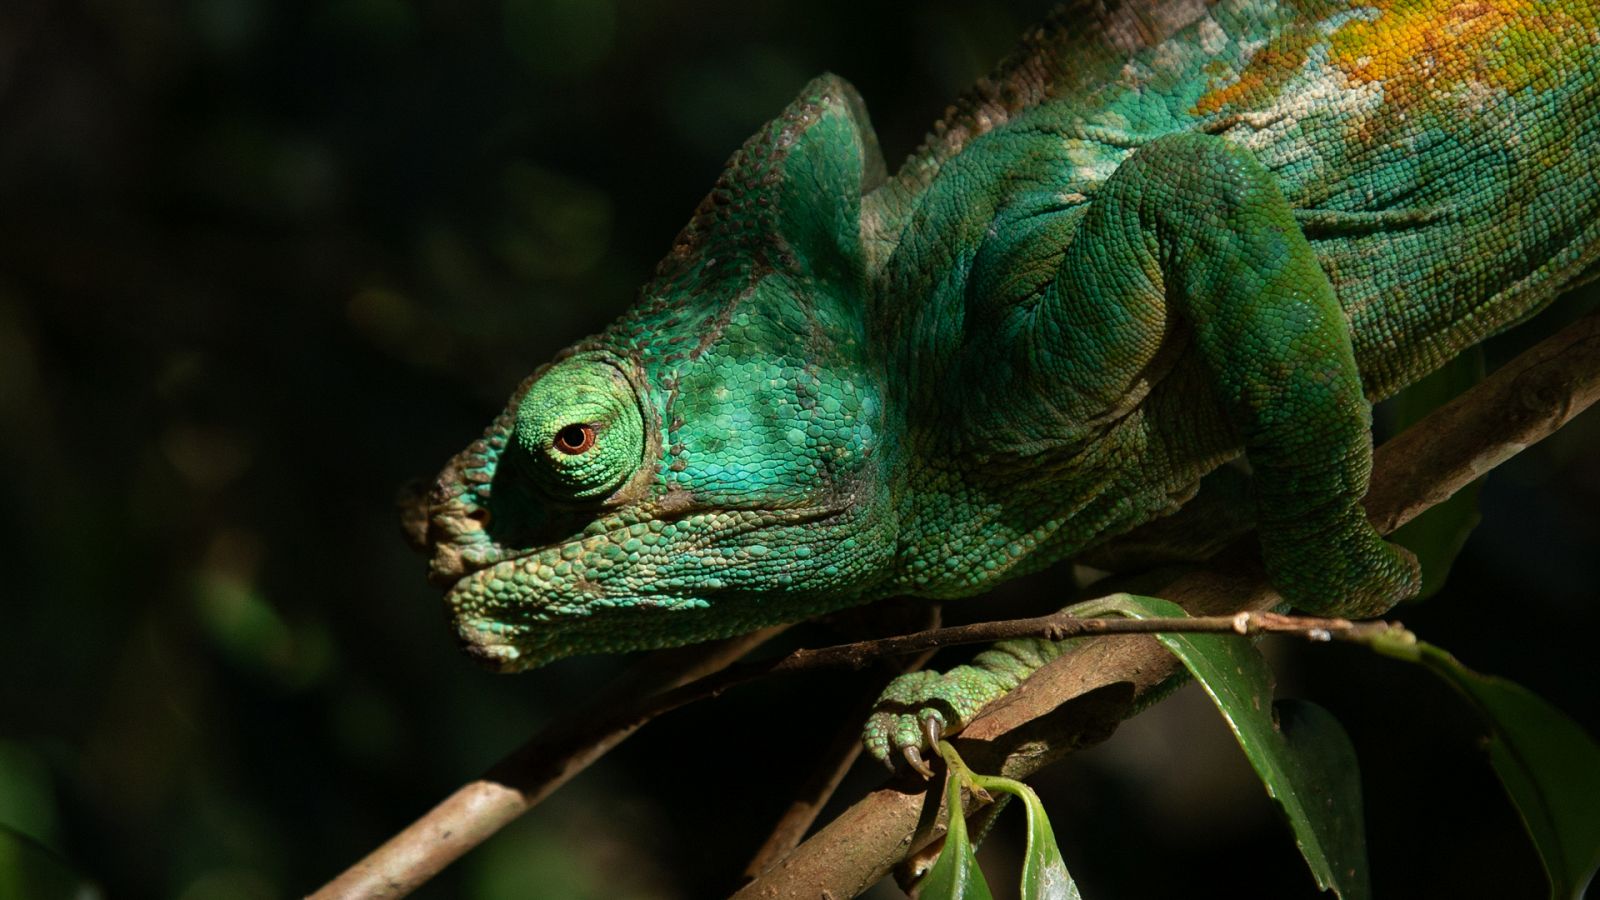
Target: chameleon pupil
575	439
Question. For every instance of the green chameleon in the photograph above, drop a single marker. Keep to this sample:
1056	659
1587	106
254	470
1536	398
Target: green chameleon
1159	236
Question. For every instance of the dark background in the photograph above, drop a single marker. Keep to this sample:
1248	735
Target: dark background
262	262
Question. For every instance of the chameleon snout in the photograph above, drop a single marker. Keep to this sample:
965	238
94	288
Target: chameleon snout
446	567
456	540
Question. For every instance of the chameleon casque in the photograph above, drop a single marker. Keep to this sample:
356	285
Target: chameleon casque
1159	236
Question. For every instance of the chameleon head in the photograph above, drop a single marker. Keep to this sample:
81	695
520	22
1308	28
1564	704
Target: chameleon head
713	462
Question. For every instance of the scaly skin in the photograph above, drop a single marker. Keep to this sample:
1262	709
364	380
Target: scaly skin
1160	237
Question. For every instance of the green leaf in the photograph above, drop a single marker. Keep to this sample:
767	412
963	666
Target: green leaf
1329	781
1438	534
1044	872
955	874
27	869
1304	758
1550	767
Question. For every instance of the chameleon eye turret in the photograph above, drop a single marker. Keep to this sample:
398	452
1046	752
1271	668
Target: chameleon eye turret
581	431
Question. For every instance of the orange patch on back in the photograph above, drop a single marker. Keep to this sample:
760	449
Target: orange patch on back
1268	70
1426	49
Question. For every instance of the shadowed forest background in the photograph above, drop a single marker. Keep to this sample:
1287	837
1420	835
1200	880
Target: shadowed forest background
261	263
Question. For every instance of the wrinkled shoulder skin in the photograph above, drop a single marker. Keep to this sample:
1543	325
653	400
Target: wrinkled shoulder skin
1040	334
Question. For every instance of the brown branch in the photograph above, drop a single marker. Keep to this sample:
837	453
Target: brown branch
836	762
841	754
518	782
1080	697
1100	684
809	799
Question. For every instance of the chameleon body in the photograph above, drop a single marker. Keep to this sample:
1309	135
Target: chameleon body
1160	236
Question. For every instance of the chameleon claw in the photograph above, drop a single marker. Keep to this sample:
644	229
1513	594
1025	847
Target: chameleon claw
914	760
932	732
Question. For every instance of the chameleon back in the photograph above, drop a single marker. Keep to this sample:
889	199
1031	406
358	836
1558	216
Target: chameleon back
841	386
1439	153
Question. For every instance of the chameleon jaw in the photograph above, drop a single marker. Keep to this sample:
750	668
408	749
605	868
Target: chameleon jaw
636	586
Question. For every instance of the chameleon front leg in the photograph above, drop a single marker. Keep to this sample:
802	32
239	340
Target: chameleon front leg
1195	228
918	707
1196	224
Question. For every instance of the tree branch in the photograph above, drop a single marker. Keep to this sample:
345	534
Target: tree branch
1076	700
1079	698
532	772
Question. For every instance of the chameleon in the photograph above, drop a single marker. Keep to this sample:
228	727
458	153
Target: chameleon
1160	238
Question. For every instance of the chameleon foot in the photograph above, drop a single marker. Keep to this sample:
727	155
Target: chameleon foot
912	707
932	732
919	708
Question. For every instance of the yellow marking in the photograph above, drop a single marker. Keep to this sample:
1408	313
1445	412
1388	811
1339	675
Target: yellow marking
1268	70
1424	52
1426	49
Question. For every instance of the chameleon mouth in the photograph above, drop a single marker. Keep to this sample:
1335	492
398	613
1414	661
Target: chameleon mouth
607	591
481	559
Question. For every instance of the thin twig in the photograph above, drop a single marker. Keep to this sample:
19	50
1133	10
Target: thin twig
1063	625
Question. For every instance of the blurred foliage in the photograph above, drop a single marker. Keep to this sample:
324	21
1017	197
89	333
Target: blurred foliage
28	870
263	262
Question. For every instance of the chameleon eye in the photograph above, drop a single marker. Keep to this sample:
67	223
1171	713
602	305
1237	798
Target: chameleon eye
560	423
575	439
